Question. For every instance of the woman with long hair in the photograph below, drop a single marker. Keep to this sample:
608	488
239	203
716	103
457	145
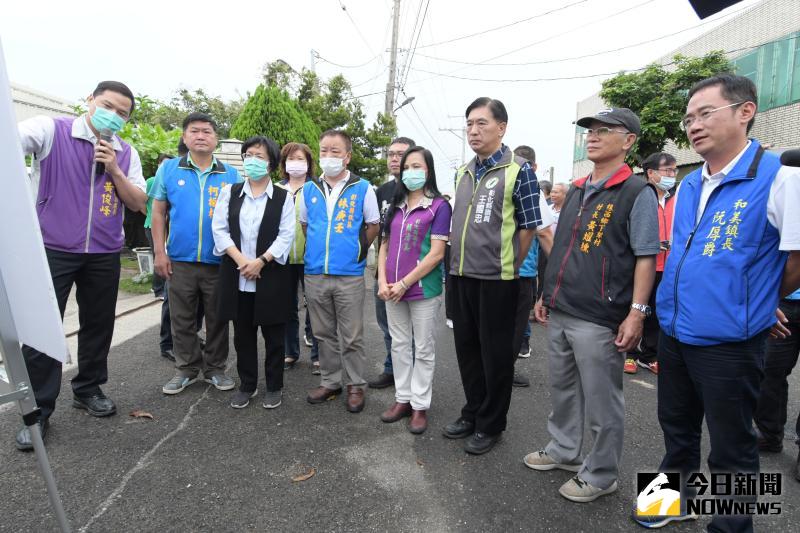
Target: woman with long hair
410	281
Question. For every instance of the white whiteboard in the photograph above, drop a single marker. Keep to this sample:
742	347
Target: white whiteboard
23	264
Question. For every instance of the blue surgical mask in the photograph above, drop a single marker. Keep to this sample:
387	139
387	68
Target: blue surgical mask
414	178
255	168
666	183
104	119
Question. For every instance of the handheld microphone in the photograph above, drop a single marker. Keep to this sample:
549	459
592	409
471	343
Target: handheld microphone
791	158
106	135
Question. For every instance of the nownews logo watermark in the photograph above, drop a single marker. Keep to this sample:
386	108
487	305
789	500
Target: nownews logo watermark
715	494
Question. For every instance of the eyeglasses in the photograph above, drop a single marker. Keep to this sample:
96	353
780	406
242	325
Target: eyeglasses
398	155
688	120
668	171
602	132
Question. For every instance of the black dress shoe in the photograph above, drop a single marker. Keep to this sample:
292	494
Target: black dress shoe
521	381
480	443
97	404
24	441
168	354
459	429
382	381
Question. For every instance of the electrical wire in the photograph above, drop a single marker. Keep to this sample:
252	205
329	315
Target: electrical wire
484	32
414	49
584	76
595	54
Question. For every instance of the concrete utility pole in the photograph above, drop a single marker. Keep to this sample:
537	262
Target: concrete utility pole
390	87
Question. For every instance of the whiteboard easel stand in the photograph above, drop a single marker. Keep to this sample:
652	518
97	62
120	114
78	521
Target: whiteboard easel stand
18	390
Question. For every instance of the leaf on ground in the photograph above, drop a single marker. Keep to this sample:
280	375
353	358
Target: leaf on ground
304	476
138	413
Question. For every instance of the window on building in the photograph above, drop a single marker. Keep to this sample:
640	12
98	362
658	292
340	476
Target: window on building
775	69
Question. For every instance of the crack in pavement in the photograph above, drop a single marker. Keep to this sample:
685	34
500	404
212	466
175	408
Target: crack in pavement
143	462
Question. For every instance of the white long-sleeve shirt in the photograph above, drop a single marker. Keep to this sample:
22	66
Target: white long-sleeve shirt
250	217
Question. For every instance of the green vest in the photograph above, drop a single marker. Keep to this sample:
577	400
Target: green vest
298	248
484	237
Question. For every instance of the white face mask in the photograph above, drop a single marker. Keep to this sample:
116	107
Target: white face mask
297	168
331	166
666	183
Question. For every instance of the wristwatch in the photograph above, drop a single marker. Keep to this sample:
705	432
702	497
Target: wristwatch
263	260
642	308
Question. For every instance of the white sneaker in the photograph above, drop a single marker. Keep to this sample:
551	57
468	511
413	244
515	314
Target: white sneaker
307	342
578	490
449	323
524	353
541	461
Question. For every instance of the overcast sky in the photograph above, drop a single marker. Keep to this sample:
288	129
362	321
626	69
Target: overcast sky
65	48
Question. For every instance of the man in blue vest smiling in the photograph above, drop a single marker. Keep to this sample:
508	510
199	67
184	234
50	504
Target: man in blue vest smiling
732	234
340	215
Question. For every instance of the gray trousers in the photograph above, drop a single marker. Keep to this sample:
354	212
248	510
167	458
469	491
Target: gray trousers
336	307
191	282
585	383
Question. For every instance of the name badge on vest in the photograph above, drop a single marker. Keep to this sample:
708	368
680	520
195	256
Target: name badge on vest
314	200
181	183
483	209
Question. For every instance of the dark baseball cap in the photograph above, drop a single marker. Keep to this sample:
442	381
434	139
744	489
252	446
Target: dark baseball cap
617	116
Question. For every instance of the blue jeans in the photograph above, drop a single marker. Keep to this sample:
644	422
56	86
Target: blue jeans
380	316
721	383
292	337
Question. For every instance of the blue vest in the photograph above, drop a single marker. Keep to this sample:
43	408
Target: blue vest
530	266
192	201
722	279
336	247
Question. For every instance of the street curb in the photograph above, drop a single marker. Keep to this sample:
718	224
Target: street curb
121	313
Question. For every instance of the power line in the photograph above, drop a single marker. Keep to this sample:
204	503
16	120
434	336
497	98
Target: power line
590	23
434	74
316	54
346	12
414	49
427	131
484	32
595	54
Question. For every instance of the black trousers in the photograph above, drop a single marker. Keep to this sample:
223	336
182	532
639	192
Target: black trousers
649	351
158	286
781	358
245	340
484	315
721	383
527	292
96	280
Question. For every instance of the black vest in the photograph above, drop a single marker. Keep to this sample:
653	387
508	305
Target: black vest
273	296
590	270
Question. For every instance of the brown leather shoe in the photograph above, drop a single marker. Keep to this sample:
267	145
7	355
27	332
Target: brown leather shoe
322	394
355	399
419	421
396	412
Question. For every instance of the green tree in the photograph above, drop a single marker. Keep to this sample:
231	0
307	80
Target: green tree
272	112
332	105
150	141
659	97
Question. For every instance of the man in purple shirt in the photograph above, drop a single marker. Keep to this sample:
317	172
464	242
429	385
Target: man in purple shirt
81	183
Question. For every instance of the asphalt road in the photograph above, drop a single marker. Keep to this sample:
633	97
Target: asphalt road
202	466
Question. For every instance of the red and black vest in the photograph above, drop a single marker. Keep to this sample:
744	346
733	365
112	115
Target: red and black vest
590	270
